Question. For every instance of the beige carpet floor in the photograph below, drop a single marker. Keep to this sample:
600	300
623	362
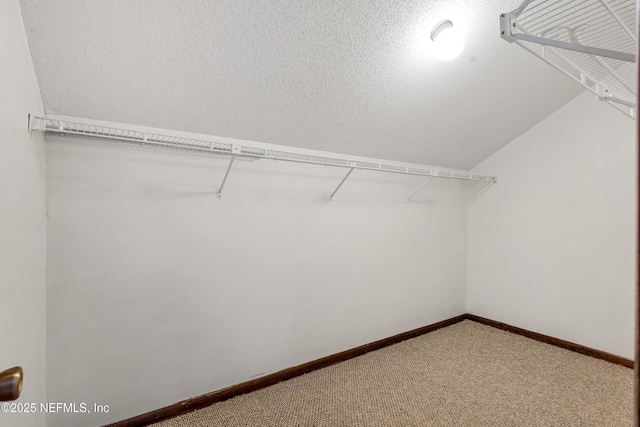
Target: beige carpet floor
467	374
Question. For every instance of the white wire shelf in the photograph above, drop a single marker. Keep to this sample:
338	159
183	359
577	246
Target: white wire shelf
591	41
231	148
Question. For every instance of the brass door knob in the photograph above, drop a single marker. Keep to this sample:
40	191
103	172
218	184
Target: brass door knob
10	384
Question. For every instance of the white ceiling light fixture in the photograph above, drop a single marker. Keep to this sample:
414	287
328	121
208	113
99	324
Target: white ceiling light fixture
448	41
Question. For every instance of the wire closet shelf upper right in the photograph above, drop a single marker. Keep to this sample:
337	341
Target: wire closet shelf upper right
591	41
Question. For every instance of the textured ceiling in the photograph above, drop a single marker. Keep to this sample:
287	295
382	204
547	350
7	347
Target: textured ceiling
349	77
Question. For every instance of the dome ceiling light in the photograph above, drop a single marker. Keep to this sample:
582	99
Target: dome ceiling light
448	41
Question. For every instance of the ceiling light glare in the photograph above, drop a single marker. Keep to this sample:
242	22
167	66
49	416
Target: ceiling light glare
448	41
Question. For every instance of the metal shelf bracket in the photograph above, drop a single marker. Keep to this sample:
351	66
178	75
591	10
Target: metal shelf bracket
36	124
421	187
235	149
508	21
341	182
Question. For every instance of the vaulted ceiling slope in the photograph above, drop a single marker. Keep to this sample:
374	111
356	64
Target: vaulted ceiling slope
349	77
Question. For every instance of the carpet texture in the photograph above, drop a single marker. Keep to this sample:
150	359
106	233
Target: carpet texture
466	374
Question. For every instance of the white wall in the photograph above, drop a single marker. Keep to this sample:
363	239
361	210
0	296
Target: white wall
551	245
22	218
159	292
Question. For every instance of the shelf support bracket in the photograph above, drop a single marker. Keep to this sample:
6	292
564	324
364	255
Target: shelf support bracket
225	177
236	150
341	182
36	124
508	22
420	188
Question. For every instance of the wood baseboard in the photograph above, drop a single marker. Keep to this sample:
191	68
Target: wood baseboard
205	400
598	354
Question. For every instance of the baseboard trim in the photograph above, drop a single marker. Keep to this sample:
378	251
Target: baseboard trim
205	400
598	354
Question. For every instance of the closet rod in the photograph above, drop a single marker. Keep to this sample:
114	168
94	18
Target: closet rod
228	146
